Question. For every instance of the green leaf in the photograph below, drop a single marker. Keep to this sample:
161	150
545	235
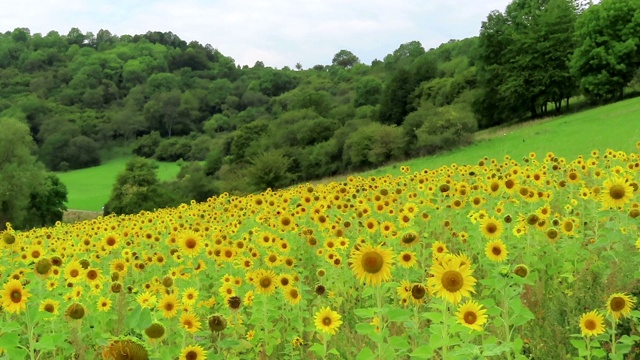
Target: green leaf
133	318
423	352
365	354
399	315
9	340
50	342
334	352
365	313
318	349
368	291
398	342
145	319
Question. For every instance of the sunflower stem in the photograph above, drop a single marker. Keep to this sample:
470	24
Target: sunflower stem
379	297
32	354
587	340
614	323
445	331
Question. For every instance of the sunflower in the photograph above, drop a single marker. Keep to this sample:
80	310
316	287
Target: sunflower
409	239
169	306
616	193
265	282
73	272
472	315
592	323
189	296
104	304
418	293
50	306
438	248
292	295
327	320
521	270
193	352
620	305
190	243
407	259
491	228
146	300
372	265
451	280
496	250
14	297
190	322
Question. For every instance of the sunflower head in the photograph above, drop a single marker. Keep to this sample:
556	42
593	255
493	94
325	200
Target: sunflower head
75	311
592	323
155	330
127	348
217	323
620	305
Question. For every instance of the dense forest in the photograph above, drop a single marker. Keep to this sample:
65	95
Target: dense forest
243	129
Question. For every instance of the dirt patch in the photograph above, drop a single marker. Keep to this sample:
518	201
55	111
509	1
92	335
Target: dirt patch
73	216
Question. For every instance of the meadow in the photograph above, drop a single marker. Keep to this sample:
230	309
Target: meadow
523	257
89	189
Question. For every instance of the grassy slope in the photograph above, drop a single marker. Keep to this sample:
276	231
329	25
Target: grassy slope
615	126
89	189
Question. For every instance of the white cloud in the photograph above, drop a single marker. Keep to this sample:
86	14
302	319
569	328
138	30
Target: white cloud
277	32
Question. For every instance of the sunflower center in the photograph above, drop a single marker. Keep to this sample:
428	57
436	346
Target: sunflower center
568	226
49	308
16	296
191	355
92	275
417	291
188	324
617	192
111	241
590	325
496	250
326	321
372	262
293	293
190	243
406	257
491	228
74	273
168	307
470	317
452	280
617	303
265	282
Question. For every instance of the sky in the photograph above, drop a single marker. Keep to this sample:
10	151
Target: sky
277	32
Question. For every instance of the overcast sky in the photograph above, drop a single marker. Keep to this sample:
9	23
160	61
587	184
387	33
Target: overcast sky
277	32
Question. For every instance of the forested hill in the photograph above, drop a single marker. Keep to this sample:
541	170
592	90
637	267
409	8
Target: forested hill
246	128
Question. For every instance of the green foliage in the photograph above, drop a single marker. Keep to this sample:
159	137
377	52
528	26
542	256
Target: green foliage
137	188
146	145
269	170
173	149
368	91
372	145
608	54
443	128
47	205
345	59
20	173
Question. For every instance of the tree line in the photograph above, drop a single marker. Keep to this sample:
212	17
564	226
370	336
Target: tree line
247	128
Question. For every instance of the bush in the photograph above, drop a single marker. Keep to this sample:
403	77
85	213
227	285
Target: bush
146	145
373	145
173	149
200	147
444	128
269	170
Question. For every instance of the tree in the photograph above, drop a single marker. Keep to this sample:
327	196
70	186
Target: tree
137	188
368	90
269	170
609	48
20	173
47	205
345	59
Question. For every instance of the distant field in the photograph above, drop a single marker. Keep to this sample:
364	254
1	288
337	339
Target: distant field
615	126
89	189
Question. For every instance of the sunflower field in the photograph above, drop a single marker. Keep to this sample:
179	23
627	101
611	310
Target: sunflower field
532	258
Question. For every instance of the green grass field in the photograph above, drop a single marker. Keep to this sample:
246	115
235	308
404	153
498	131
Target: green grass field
615	126
89	189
